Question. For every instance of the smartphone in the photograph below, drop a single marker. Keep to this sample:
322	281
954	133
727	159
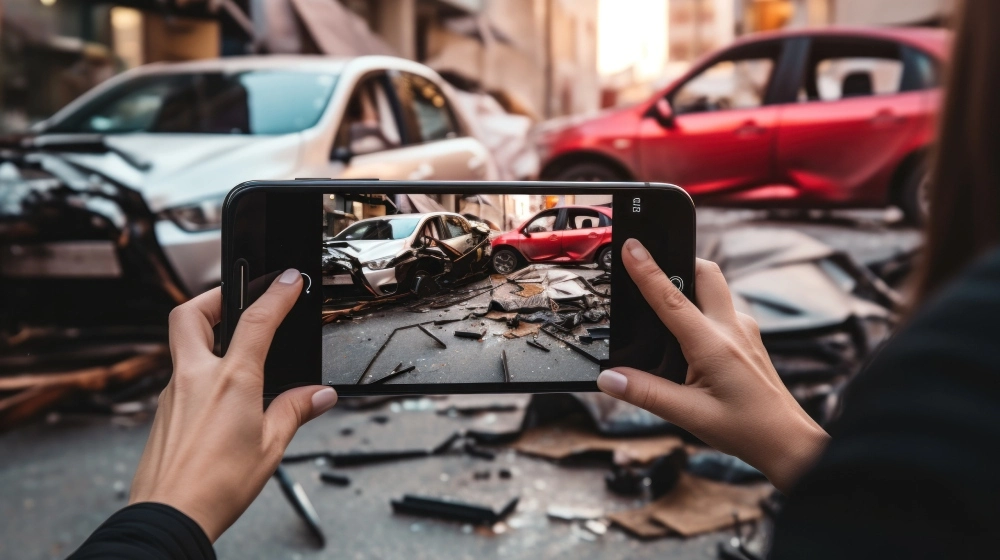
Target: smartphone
456	287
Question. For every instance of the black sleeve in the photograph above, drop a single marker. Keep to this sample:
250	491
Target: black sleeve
148	531
910	471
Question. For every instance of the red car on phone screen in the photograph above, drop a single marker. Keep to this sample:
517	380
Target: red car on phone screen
566	234
838	117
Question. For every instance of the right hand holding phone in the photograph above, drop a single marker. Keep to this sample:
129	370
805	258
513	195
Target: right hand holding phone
732	398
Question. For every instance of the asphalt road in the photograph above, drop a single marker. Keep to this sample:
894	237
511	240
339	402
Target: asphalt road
349	345
60	480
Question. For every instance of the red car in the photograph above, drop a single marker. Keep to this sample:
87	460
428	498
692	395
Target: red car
567	234
839	117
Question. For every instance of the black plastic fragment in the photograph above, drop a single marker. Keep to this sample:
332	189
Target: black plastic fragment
445	508
478	452
474	335
535	344
335	479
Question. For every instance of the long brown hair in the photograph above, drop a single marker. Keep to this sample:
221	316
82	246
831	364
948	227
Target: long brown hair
964	188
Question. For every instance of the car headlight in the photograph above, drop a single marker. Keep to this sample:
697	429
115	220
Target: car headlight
377	264
198	216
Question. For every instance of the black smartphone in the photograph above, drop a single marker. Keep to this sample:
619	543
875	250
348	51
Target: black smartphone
456	287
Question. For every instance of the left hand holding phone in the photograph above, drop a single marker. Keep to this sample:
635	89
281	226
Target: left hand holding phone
212	447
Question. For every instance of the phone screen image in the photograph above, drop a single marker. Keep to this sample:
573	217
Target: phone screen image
450	288
504	288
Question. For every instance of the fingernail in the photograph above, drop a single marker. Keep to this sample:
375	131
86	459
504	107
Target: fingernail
636	249
612	383
289	276
323	400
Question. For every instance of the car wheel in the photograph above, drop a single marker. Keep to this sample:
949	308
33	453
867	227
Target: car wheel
422	284
505	261
914	198
588	172
604	258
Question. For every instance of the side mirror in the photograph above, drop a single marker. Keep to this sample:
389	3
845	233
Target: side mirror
342	154
525	232
664	113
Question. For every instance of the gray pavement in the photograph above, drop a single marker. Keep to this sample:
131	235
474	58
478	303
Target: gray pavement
60	480
350	344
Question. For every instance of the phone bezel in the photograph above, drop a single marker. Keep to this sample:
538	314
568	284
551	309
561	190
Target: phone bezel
680	226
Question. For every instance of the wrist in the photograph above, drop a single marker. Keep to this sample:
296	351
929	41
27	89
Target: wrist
797	452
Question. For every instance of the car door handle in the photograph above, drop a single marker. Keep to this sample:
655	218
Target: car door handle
750	128
592	235
887	117
423	171
553	237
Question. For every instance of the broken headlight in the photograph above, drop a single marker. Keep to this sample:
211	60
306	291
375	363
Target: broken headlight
198	216
377	264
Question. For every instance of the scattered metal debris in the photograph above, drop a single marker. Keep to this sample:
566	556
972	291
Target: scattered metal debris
430	334
535	344
300	502
395	371
506	367
478	452
574	513
358	458
335	479
573	347
474	335
446	508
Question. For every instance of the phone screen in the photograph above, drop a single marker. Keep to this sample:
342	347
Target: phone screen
462	291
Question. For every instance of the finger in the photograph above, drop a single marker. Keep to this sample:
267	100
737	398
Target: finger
677	312
712	292
191	324
293	408
255	329
678	404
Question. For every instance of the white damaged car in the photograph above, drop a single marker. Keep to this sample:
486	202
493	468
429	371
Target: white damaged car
403	254
123	187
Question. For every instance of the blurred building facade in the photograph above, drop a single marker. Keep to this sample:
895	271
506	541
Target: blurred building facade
763	15
538	56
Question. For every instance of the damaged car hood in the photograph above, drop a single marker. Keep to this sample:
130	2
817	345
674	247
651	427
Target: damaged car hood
366	249
188	167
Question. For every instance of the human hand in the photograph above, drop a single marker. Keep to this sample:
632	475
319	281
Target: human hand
212	446
732	398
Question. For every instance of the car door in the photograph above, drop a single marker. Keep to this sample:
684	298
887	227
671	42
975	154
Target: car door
582	235
369	141
722	130
541	237
432	127
851	124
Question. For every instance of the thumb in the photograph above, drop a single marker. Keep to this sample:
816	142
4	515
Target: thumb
293	408
678	404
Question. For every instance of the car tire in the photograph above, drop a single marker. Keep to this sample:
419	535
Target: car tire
604	258
421	283
914	196
505	261
588	171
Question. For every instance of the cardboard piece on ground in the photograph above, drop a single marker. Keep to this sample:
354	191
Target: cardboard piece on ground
528	290
524	329
639	522
559	442
693	507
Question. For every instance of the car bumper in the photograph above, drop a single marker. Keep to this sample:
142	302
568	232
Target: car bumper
196	257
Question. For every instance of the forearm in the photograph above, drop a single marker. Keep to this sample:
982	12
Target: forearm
147	530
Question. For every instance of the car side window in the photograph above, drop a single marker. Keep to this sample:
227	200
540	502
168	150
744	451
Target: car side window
542	224
582	218
454	226
739	82
369	124
427	112
845	68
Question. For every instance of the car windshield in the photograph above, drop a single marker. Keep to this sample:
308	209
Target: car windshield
250	102
400	228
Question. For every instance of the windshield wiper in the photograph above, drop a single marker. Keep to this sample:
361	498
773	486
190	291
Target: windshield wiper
83	143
